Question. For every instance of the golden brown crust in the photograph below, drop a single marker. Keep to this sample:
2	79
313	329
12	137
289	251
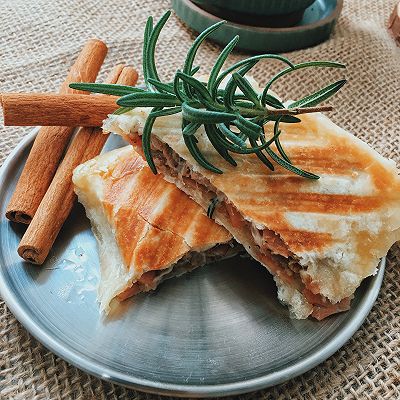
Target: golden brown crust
355	180
155	223
143	223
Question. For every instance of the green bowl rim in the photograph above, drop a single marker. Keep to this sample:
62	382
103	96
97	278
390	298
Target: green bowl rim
334	15
300	5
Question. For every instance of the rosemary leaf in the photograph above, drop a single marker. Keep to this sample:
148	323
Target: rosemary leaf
122	110
222	151
190	129
283	163
249	128
318	97
196	154
148	99
147	32
177	90
166	111
262	156
273	101
288	119
200	90
162	87
309	64
238	96
106	88
146	139
195	70
278	142
211	207
219	63
229	95
221	139
193	50
231	135
246	88
151	46
253	61
203	116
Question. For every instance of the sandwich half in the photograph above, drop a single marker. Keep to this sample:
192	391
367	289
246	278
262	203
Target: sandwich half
147	230
319	238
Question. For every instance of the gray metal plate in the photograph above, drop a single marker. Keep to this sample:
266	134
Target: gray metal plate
217	331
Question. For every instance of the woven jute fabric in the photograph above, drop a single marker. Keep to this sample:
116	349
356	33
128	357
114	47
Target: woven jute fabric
39	39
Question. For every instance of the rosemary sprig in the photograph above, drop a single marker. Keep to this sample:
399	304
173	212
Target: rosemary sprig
233	116
211	207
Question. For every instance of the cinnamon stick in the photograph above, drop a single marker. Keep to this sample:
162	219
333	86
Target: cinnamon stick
394	24
128	76
50	142
60	197
46	109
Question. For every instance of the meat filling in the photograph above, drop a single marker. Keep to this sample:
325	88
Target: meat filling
267	240
149	280
164	157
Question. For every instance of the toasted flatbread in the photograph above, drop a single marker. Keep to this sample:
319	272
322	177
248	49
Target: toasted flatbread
147	229
319	238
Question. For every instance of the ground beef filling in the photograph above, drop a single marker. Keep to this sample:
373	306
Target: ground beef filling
267	240
149	280
166	158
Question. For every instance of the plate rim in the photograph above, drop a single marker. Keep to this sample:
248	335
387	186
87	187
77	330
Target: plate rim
234	388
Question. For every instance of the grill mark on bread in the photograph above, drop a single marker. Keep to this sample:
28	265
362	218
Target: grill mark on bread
300	241
319	158
158	248
128	230
310	202
162	205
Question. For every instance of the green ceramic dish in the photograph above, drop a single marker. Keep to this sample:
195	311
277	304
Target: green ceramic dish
260	7
314	27
270	13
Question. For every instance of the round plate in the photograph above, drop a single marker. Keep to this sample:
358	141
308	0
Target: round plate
219	330
315	27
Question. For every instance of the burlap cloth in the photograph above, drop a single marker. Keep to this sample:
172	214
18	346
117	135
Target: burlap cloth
38	41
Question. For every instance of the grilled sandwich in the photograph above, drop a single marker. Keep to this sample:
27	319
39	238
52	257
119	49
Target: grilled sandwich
147	229
319	238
